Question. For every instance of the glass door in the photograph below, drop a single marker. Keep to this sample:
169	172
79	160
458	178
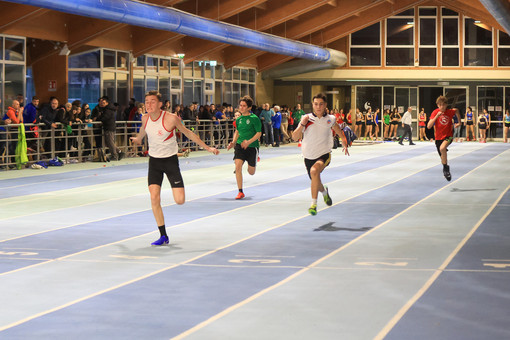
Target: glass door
407	97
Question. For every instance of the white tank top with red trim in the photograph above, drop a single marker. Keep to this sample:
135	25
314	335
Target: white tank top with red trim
162	142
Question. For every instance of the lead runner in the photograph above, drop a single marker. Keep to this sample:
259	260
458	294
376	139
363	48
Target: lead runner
160	126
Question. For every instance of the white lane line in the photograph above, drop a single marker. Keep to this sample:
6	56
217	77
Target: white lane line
396	318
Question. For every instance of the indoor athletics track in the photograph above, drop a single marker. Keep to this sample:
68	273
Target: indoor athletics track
402	253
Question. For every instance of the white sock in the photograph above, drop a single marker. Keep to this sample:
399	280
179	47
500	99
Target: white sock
314	201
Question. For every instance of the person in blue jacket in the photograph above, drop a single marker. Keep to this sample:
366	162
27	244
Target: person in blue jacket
277	121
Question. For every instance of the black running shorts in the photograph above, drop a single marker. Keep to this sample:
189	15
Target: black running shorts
248	155
168	166
326	158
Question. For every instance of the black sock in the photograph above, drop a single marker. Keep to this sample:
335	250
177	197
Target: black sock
162	230
240	190
445	166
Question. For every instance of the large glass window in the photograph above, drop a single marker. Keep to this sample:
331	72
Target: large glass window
427	51
366	46
188	91
109	59
84	85
399	56
164	87
400	41
175	70
122	88
1	48
122	61
478	43
197	91
152	64
14	82
450	38
14	49
504	49
139	87
86	60
109	85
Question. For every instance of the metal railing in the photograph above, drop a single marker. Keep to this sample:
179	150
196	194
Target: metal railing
81	143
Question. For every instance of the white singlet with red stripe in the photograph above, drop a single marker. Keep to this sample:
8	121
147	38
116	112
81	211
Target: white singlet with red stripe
162	143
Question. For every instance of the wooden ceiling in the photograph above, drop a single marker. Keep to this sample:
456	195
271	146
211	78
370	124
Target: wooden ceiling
320	22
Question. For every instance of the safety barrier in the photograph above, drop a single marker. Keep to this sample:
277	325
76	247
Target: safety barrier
80	144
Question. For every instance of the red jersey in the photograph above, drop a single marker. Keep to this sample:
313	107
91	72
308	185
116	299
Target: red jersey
444	125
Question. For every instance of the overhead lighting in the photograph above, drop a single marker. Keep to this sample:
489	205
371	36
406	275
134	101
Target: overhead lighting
357	80
180	55
213	63
410	23
65	50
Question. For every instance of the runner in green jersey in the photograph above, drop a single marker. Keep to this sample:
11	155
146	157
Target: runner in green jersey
245	142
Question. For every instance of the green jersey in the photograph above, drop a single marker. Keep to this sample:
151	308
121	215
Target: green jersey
296	115
248	126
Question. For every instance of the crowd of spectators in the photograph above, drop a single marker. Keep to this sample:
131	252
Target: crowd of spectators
213	123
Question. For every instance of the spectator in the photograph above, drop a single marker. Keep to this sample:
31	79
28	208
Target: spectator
265	117
284	126
14	114
130	111
86	118
107	118
97	131
51	115
277	121
31	116
296	115
406	124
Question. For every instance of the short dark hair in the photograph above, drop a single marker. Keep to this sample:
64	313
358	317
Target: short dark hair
247	100
320	96
153	93
35	98
105	98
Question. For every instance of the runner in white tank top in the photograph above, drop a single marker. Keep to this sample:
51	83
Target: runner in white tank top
160	128
162	142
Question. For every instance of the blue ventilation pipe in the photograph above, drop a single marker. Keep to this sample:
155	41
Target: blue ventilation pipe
500	10
169	19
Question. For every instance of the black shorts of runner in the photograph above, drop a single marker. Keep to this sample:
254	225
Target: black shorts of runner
326	158
469	122
394	123
507	124
248	155
482	126
359	122
168	166
439	142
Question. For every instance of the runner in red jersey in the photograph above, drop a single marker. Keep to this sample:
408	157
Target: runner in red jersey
441	118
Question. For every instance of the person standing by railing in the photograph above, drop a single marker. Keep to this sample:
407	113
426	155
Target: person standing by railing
15	115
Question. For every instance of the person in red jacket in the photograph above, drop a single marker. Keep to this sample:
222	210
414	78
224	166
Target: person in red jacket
441	118
14	114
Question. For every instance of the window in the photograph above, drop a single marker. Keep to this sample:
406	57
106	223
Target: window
450	38
164	66
85	60
478	43
152	64
1	49
237	74
109	59
427	50
504	49
84	85
14	50
366	46
140	64
175	70
400	41
122	61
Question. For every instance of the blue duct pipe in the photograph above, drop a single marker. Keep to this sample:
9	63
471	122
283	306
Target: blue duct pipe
170	19
500	10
